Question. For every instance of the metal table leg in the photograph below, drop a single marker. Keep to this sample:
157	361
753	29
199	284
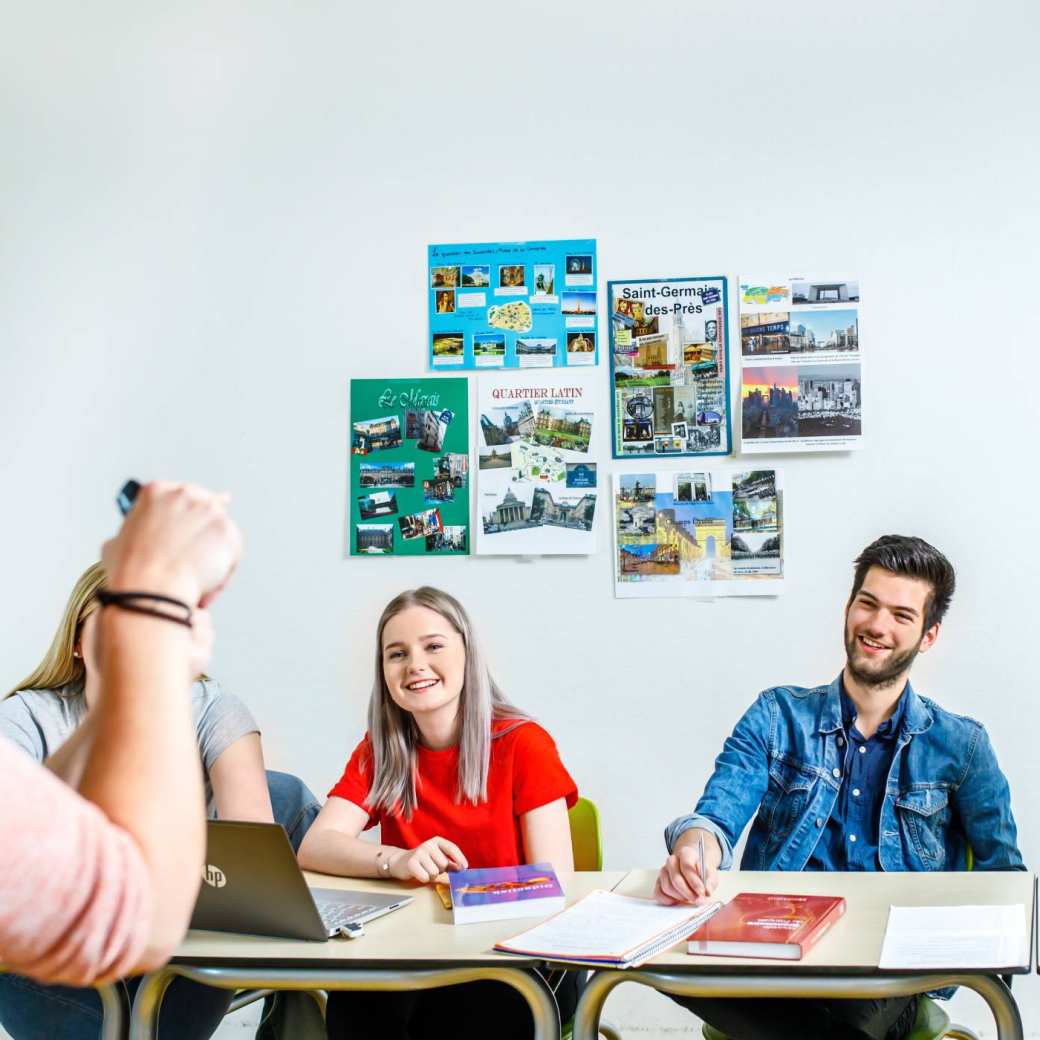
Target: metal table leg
989	987
144	1014
530	985
112	1018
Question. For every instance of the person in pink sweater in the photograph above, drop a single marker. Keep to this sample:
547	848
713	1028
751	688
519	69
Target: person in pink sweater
98	877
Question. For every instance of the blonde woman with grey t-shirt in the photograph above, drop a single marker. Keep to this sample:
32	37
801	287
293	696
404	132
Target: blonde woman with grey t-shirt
39	716
42	712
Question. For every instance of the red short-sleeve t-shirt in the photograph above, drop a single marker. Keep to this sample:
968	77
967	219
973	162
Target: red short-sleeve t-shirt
525	773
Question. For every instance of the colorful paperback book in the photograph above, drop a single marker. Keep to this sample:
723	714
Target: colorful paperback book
498	893
760	924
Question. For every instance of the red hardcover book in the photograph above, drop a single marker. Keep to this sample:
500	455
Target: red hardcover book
759	924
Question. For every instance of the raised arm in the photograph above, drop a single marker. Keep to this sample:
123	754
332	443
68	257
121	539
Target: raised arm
68	761
120	876
144	770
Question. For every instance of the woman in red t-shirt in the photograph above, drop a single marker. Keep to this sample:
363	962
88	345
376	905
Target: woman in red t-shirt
456	777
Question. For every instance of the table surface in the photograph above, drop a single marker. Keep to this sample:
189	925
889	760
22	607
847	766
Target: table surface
418	935
422	934
853	945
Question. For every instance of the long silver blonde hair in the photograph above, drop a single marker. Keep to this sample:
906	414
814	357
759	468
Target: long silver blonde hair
392	730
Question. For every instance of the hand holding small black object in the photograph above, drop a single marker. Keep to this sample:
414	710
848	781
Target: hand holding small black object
132	601
127	495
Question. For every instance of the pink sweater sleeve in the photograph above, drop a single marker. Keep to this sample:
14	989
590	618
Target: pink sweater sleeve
75	895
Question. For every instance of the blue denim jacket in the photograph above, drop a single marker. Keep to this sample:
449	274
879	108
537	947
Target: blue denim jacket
945	791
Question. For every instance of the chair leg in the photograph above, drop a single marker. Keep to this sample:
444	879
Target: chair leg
958	1032
321	998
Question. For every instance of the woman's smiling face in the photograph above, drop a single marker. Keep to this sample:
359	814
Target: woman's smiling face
424	661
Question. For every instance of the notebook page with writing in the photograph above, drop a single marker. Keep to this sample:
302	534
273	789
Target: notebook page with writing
955	937
608	928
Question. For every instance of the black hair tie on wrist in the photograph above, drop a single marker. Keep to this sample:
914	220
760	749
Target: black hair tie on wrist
132	601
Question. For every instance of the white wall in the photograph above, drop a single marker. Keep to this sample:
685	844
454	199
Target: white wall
214	215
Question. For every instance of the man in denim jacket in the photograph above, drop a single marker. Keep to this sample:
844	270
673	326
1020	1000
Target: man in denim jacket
861	774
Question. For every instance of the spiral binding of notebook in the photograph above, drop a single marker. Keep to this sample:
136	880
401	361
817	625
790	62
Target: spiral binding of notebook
670	938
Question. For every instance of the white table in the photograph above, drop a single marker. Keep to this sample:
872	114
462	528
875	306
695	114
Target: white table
844	964
416	947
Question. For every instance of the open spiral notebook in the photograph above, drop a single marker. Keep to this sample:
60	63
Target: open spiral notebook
605	928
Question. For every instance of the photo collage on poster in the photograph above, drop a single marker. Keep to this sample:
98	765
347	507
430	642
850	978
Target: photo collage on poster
801	365
536	471
700	532
520	313
669	367
409	467
513	305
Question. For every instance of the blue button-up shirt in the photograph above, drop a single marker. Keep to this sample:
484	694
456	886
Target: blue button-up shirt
783	764
850	840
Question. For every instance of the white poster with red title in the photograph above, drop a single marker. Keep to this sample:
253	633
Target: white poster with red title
537	485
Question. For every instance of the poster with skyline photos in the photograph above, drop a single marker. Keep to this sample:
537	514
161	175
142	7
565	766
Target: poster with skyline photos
409	467
801	385
496	305
698	532
669	368
536	465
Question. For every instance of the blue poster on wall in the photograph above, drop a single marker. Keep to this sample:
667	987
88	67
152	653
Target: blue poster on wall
513	304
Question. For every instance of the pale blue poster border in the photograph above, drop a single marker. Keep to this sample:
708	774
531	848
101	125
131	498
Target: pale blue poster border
723	336
499	305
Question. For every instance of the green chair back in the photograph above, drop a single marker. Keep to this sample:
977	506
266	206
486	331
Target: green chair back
585	837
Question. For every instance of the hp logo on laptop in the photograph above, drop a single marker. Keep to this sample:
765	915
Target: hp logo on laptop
214	876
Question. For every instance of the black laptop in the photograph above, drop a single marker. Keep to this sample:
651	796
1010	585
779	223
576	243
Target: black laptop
252	883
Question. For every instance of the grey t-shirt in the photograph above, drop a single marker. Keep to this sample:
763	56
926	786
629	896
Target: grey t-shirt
40	721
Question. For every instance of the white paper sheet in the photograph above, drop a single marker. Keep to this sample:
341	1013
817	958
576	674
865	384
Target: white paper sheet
955	937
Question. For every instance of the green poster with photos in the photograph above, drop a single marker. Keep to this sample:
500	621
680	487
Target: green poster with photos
409	467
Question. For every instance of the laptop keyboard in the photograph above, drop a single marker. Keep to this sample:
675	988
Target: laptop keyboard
335	915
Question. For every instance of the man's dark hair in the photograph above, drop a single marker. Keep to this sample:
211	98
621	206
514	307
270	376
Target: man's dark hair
911	558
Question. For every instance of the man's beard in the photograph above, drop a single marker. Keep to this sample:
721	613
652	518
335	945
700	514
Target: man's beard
885	676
